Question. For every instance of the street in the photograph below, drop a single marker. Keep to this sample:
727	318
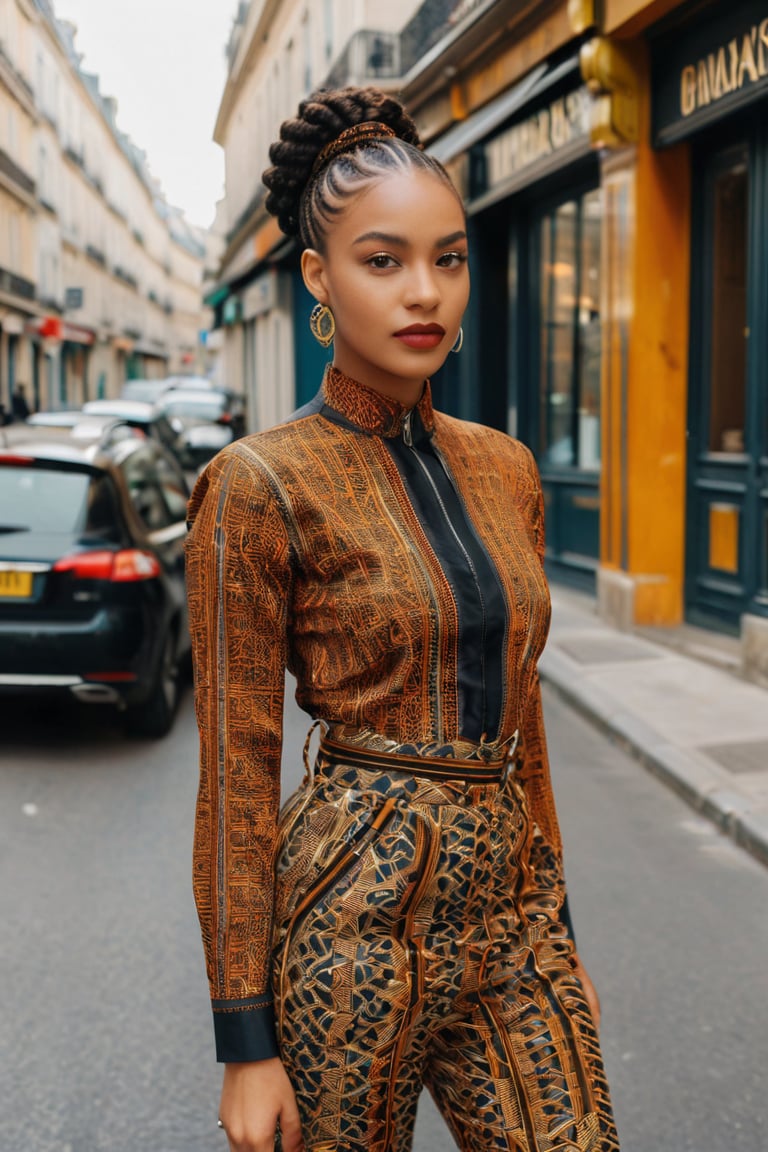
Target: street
105	1037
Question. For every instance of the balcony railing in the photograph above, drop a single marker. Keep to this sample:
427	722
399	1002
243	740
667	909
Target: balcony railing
249	210
368	56
75	156
20	178
20	79
433	20
125	276
16	285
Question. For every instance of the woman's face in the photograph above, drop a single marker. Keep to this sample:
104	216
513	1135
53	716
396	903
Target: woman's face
396	277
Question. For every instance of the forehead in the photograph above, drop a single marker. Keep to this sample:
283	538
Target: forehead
416	204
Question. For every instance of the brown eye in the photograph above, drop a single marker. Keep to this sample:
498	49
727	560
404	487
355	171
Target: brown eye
381	260
452	259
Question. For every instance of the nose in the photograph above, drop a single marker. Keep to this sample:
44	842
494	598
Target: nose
422	290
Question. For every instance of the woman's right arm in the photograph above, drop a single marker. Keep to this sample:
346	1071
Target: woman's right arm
255	1099
239	579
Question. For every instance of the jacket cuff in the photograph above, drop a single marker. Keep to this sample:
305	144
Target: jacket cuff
244	1030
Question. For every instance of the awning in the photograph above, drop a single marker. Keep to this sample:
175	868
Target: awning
217	296
13	323
57	329
463	135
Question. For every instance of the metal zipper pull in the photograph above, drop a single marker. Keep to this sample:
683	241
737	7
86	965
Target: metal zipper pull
407	431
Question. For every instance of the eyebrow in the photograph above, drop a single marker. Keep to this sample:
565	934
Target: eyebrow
401	242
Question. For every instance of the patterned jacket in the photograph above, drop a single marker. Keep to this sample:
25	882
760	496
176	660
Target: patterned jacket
392	561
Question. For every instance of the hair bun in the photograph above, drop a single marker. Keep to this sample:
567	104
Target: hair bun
322	117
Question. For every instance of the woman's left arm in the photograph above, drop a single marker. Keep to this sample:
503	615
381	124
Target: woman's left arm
534	774
546	860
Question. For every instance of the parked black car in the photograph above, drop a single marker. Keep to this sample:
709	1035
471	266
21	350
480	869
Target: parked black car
211	420
92	593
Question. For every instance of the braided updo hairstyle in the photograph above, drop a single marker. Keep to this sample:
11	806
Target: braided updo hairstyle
305	194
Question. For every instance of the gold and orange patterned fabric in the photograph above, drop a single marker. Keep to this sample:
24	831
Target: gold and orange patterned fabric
333	545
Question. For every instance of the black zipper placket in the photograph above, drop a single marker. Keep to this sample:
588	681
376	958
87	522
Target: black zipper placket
462	501
408	441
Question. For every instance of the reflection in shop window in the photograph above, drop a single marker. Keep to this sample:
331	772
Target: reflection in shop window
729	310
570	333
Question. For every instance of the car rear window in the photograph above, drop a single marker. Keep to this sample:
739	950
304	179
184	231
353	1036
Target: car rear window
52	500
206	408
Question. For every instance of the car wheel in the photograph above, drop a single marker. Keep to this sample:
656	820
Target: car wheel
153	718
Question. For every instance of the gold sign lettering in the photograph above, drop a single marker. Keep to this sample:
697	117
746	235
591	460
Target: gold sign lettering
565	121
737	64
762	48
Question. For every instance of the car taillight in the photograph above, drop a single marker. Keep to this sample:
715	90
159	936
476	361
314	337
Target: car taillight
14	458
119	567
225	418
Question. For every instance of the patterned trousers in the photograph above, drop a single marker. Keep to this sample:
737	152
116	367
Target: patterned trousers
414	945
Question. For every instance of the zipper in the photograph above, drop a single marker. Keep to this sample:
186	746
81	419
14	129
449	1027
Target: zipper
461	500
408	441
407	432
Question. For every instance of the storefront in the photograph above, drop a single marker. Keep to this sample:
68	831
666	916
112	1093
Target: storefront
531	181
710	88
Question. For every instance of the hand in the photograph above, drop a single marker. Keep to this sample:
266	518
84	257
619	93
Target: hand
588	987
255	1098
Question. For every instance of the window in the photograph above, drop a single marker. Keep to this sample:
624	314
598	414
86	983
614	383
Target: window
728	349
14	240
102	516
13	131
174	489
307	50
143	482
43	175
569	394
44	500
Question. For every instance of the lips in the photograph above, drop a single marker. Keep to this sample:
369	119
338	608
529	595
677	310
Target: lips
421	335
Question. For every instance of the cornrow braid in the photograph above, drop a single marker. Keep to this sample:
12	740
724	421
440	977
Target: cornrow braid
318	162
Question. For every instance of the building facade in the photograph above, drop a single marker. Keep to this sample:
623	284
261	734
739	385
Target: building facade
18	188
100	279
613	159
279	51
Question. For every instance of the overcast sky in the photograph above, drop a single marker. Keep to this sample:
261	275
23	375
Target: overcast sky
163	61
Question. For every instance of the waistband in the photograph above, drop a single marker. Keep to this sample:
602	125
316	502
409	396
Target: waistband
430	767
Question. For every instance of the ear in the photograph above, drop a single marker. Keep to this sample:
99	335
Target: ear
313	272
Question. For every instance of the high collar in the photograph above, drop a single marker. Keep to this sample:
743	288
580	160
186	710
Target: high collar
371	411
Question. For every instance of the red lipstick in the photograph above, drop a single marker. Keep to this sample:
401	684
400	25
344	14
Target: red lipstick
424	336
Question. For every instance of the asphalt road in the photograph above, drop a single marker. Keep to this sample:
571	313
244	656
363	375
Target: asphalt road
105	1038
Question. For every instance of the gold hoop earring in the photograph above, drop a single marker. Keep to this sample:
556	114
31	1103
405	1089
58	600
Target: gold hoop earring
322	324
459	341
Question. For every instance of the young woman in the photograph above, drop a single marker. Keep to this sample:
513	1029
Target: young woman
403	921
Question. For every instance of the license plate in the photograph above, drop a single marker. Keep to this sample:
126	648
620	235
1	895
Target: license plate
17	585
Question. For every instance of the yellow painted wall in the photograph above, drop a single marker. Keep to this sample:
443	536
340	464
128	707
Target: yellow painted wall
647	253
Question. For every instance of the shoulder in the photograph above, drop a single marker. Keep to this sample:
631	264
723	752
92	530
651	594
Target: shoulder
250	466
468	436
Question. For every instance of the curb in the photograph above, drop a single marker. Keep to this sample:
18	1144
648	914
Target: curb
688	773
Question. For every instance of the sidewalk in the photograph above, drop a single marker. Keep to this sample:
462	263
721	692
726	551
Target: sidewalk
697	725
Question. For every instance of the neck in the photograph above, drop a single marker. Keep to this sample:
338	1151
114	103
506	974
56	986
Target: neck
405	391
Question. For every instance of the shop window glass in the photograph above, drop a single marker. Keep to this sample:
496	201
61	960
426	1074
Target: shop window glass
728	373
570	333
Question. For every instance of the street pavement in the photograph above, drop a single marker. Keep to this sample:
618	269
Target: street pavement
692	720
105	1036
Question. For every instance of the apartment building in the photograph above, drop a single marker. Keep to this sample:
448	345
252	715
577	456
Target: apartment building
18	188
279	52
100	279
